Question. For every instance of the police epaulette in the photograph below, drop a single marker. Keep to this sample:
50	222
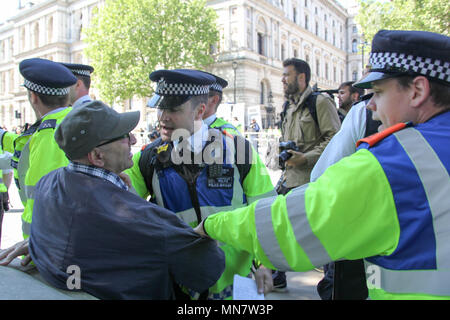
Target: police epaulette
47	124
377	137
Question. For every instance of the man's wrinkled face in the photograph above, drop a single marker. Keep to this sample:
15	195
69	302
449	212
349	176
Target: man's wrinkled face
290	81
118	156
390	103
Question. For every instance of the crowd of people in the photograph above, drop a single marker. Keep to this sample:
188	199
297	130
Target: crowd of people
363	191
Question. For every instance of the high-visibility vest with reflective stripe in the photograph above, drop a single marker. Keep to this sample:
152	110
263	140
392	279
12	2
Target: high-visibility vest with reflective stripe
389	202
2	184
223	125
17	144
40	155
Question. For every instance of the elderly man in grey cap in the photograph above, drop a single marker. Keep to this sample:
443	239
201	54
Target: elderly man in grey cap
122	246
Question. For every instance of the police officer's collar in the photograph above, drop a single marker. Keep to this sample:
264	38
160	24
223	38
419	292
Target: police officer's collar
210	120
197	141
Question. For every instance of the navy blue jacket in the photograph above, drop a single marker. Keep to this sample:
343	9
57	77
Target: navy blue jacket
124	246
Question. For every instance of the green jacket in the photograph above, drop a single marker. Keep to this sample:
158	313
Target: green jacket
376	204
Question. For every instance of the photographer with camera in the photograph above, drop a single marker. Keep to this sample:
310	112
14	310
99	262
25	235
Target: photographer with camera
308	122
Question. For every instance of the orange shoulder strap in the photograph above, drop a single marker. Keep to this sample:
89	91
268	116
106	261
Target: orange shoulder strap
377	137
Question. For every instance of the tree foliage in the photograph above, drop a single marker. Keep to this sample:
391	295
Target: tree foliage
128	39
424	15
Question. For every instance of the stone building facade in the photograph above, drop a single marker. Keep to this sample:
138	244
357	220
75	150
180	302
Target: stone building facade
255	37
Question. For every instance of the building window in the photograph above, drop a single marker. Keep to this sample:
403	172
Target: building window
306	3
294	12
317	28
318	68
326	34
326	71
295	53
36	35
354	46
262	99
307	58
355	29
283	52
306	21
50	30
262	37
334	74
354	76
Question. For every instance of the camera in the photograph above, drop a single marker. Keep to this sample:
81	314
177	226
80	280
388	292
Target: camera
284	154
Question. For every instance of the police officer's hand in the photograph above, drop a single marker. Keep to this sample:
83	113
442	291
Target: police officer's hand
298	159
200	230
9	254
264	281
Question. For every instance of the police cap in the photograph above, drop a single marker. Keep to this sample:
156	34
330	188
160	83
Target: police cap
398	53
46	77
79	69
175	87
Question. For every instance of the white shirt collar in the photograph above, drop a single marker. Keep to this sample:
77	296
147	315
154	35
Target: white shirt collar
81	100
210	119
197	140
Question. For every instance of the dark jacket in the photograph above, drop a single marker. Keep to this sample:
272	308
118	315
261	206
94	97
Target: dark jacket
124	246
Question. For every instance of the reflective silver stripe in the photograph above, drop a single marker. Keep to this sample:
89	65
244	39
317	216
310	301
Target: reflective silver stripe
436	182
308	241
22	168
266	234
271	193
157	189
26	227
434	282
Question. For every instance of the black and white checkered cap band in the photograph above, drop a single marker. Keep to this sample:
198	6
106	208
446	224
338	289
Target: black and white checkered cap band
80	72
45	90
399	62
217	87
181	89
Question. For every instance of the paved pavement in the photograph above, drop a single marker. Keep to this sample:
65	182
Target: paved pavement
301	285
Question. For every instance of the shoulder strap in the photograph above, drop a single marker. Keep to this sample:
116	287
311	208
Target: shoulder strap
310	103
147	163
377	137
243	168
47	124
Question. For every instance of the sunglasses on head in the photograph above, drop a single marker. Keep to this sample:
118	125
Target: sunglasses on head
126	135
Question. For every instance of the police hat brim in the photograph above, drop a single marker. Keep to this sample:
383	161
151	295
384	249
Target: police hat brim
366	82
166	102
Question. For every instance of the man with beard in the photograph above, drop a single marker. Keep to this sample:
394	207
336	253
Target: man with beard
310	121
347	96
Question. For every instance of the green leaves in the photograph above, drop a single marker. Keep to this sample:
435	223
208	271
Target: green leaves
128	39
425	15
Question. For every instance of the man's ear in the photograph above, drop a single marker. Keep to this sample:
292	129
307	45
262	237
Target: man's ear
301	78
96	158
421	91
200	111
354	96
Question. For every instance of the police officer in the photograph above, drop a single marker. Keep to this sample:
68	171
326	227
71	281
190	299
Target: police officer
388	202
197	187
35	152
214	100
79	92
